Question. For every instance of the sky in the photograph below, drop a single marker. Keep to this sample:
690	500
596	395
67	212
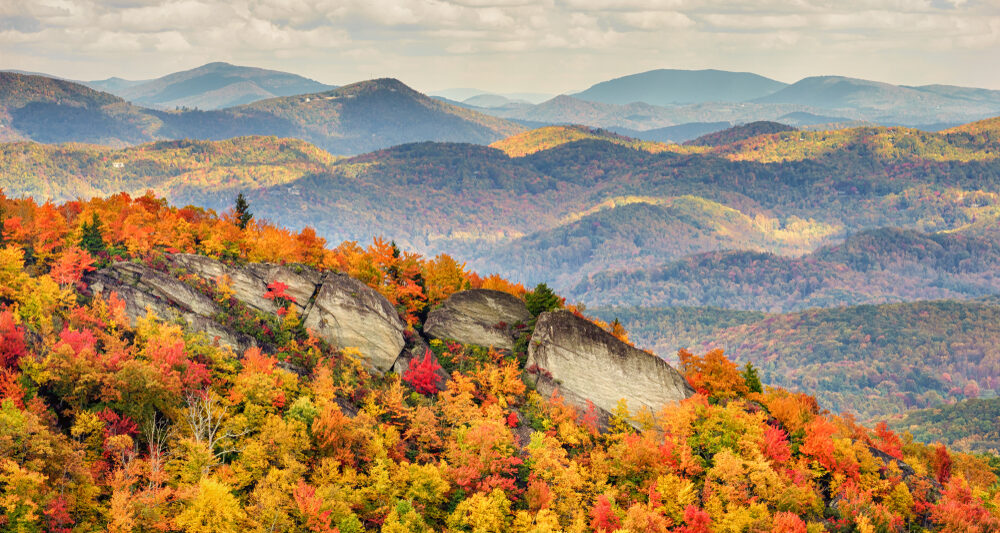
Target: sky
548	46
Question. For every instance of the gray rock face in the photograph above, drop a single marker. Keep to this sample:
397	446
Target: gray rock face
347	312
337	308
144	289
478	316
587	363
249	281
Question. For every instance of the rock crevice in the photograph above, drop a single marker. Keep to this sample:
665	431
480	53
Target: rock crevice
338	309
587	363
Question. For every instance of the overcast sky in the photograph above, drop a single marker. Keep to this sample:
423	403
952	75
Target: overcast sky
509	45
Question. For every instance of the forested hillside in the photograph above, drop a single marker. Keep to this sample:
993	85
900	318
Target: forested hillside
110	424
573	201
968	425
353	119
874	361
875	266
210	171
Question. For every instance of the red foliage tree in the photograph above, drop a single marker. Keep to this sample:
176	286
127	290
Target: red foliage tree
422	375
603	517
942	464
71	266
788	523
776	445
11	340
696	520
887	441
310	507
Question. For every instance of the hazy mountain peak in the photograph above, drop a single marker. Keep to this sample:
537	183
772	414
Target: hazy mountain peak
211	86
675	87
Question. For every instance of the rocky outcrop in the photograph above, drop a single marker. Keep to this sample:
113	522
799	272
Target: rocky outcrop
144	289
249	281
587	363
478	316
337	308
346	312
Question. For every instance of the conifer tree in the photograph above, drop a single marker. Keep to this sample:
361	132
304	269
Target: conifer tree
752	379
243	214
92	238
542	299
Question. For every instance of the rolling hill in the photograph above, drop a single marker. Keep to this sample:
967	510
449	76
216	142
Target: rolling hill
968	425
212	86
634	232
670	87
875	361
874	266
375	114
738	133
549	137
353	119
886	103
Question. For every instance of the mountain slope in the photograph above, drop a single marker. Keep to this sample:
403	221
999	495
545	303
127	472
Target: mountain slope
213	86
874	266
358	118
968	425
872	360
52	110
635	231
668	87
376	114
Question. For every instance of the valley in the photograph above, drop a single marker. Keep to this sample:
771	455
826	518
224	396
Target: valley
472	266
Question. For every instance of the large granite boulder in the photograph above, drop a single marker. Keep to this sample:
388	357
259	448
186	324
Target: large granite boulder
144	289
478	316
587	363
346	312
337	308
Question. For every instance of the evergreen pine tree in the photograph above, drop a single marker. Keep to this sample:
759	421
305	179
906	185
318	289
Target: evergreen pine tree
752	379
542	299
92	239
243	214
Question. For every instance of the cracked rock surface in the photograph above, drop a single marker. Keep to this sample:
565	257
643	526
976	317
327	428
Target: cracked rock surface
337	308
587	363
478	316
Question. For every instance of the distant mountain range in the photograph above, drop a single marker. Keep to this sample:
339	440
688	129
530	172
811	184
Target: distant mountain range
352	119
665	105
670	87
663	98
464	94
212	86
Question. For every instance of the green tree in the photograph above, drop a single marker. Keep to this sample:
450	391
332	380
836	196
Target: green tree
243	214
542	299
92	238
752	379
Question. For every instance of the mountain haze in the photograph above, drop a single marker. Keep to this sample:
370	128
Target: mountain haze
212	86
669	87
353	119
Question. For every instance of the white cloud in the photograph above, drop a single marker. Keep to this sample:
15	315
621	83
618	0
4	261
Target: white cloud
529	44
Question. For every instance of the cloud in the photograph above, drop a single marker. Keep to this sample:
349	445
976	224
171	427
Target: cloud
522	42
